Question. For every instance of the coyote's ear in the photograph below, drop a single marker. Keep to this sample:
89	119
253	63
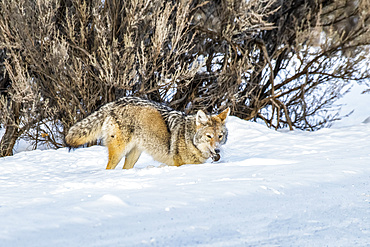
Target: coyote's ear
201	118
223	115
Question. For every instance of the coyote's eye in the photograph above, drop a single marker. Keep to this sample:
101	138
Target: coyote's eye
209	136
220	137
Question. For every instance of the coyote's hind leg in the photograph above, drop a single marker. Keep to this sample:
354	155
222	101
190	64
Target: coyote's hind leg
131	158
116	144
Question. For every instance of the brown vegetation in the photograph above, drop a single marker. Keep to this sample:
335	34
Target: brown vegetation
284	62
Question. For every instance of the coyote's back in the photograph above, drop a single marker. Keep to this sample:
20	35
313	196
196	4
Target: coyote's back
132	125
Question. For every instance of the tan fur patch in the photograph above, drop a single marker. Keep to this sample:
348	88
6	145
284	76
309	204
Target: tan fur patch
116	147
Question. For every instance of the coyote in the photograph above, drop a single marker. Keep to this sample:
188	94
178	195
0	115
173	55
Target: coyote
131	125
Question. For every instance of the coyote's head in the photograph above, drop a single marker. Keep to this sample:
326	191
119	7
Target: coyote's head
211	133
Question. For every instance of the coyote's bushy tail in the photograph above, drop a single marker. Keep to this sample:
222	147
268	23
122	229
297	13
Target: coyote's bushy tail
87	130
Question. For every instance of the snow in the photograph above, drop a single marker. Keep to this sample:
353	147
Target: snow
356	102
270	188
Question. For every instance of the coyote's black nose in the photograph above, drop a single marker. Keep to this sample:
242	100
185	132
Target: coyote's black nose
217	150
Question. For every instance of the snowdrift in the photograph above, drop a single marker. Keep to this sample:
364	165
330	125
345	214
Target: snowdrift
271	188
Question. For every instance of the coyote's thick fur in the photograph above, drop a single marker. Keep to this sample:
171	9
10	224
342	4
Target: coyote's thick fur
132	125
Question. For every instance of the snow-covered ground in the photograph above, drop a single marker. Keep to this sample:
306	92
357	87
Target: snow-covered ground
271	188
